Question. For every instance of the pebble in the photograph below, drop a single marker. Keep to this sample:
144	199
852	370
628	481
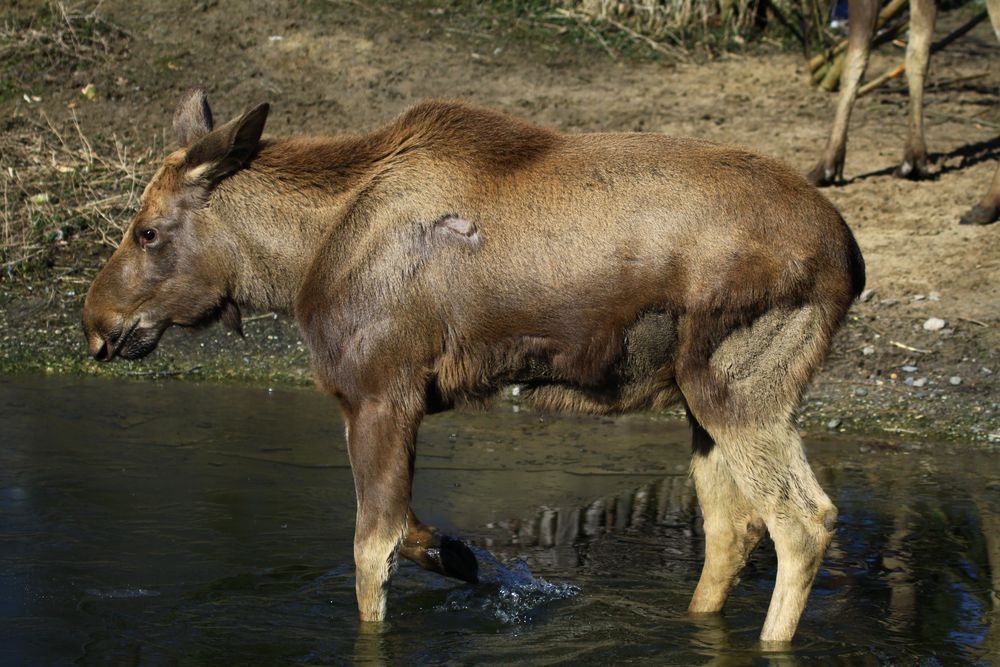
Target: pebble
920	382
955	380
833	423
919	297
888	302
934	296
868	350
934	324
986	371
861	391
909	369
867	295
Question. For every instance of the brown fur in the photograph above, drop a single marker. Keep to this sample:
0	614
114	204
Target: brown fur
457	250
914	165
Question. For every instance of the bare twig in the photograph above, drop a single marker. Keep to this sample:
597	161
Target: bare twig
908	348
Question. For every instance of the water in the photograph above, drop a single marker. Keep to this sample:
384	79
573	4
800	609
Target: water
160	523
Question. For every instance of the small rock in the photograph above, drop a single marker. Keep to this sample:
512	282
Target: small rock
868	350
867	295
986	371
934	324
860	391
955	380
933	296
864	449
919	297
920	382
833	423
908	381
888	302
909	369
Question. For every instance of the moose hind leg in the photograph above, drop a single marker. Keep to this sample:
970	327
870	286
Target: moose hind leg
732	526
758	372
770	467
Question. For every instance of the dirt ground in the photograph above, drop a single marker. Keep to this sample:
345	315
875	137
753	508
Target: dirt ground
349	66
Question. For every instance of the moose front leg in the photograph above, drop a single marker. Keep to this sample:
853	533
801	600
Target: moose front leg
381	440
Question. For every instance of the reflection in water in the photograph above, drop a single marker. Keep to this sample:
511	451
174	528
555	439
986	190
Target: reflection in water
156	523
916	548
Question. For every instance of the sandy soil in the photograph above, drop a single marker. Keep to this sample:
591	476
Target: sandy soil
349	66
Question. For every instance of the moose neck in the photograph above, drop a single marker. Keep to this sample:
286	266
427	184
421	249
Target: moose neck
276	213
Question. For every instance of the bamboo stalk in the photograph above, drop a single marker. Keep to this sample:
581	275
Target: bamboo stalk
889	74
832	78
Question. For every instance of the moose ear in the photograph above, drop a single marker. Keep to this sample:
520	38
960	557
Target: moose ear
228	148
193	117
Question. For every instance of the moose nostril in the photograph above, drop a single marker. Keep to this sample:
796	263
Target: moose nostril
97	346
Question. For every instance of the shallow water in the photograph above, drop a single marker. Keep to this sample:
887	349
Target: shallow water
155	523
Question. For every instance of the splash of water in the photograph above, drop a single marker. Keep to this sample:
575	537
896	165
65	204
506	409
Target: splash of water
507	592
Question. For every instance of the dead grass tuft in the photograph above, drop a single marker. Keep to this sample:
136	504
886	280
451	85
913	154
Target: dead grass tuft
60	187
52	41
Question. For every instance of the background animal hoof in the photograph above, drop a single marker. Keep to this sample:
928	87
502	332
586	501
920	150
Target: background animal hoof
911	171
457	560
821	176
979	215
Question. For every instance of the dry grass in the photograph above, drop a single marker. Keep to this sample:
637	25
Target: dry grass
61	187
55	38
671	26
58	186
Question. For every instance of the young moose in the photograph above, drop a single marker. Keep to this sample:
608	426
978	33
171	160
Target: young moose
458	250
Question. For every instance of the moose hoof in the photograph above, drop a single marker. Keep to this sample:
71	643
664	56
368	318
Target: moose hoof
980	215
457	560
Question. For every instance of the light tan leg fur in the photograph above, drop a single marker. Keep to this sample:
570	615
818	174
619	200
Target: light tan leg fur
732	527
757	466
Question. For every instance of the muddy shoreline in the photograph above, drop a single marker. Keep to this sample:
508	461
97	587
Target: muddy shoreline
330	68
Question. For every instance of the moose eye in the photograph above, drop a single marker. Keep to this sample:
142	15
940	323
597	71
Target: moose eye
147	236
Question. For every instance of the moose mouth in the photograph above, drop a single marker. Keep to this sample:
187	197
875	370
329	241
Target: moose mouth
134	342
139	342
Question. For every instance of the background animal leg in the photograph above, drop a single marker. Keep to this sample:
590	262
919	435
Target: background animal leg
863	14
431	550
988	209
923	14
732	527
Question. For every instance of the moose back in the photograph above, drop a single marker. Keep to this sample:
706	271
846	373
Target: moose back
457	250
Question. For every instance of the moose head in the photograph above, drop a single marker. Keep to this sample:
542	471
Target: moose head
171	265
